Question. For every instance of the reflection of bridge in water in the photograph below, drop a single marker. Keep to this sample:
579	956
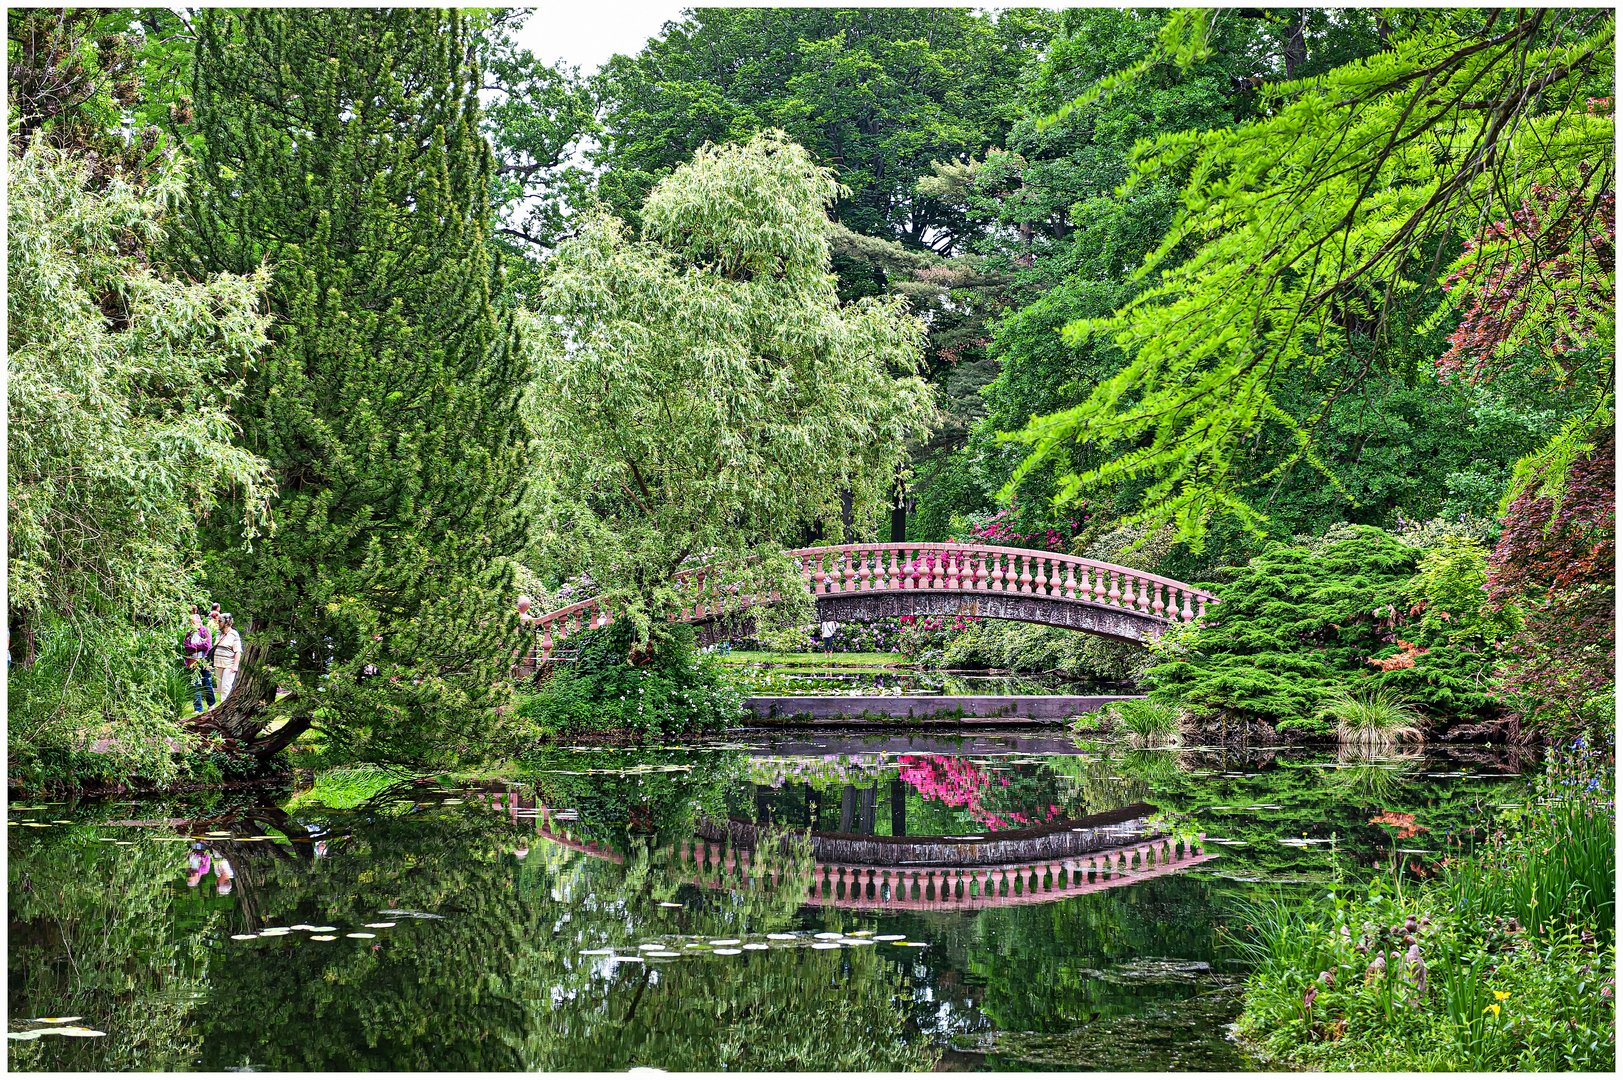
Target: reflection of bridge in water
1030	866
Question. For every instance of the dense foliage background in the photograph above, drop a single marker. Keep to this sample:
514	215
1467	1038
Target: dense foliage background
362	321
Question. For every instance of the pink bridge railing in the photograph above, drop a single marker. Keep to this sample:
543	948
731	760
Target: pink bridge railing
968	569
929	888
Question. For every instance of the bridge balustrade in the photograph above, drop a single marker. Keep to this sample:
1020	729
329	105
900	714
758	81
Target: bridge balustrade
966	569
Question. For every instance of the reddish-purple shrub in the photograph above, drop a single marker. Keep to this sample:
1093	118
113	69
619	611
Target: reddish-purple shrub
1554	563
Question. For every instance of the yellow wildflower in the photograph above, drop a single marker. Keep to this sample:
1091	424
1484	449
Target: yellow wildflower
1492	1009
1501	995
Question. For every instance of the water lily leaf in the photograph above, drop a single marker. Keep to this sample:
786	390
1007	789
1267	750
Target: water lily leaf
322	937
757	946
380	925
891	937
360	935
827	936
649	946
73	1032
725	941
24	1036
728	952
56	1019
244	937
825	945
781	937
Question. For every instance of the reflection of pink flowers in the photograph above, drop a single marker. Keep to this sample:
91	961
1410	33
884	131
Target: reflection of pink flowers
958	783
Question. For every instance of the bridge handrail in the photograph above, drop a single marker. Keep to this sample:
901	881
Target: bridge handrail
1059	556
956	567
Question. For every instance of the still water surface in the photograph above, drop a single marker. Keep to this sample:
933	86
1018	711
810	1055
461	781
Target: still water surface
550	921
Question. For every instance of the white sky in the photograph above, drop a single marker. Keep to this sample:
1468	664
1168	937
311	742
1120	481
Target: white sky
587	34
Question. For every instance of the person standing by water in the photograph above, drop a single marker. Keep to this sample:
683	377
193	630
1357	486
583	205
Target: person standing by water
227	655
196	649
829	628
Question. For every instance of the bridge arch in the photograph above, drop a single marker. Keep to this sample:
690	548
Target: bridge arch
856	582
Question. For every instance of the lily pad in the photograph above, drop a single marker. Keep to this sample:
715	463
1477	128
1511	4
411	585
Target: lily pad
890	937
360	935
757	946
323	937
728	952
649	946
380	925
244	937
56	1019
725	941
825	945
24	1036
828	936
781	937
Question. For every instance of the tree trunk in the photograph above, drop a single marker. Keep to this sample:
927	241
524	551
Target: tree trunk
1296	44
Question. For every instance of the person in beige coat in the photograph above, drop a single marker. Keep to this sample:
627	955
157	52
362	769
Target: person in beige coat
227	655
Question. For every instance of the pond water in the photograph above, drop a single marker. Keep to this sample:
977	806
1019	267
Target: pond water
556	920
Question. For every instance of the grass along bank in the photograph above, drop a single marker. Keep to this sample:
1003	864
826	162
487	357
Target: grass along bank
1506	960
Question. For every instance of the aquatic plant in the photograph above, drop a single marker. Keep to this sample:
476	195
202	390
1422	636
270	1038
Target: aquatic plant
1372	718
1146	723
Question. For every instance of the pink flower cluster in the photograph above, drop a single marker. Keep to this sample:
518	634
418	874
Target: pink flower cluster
999	530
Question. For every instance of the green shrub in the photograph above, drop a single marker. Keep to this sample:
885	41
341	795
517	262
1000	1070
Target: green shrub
677	689
125	686
1372	718
1300	623
1145	723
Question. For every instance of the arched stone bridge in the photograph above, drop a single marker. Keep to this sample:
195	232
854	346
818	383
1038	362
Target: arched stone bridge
859	582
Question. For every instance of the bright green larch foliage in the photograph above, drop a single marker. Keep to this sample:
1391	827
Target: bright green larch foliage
1304	232
342	148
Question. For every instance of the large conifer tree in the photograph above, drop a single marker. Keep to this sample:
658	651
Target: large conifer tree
342	147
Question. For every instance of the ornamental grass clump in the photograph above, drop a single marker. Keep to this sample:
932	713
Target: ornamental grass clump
1146	723
1372	718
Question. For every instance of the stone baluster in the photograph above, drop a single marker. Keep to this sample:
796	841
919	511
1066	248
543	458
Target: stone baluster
996	583
1201	601
1025	572
1070	580
952	570
893	578
1115	589
1188	614
1099	586
1159	607
980	572
1040	582
865	571
937	570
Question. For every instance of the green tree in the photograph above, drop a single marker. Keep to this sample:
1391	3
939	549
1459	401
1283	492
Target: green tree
877	93
342	148
537	117
704	395
122	383
1305	232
